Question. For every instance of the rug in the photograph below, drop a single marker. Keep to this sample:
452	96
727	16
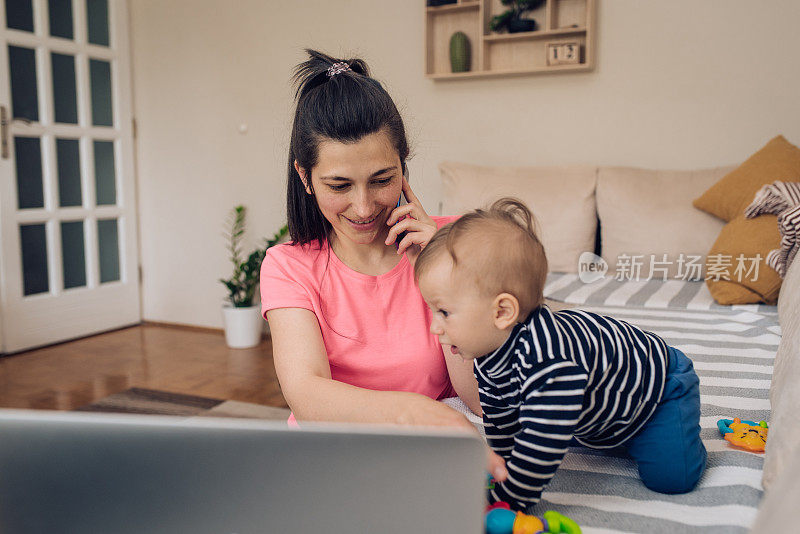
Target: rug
155	402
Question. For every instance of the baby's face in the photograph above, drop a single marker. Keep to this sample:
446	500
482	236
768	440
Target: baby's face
462	317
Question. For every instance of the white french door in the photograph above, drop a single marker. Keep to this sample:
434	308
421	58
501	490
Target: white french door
69	263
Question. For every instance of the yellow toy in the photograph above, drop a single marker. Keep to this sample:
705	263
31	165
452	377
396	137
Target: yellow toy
745	434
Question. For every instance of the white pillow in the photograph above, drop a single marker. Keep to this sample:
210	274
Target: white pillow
646	212
561	199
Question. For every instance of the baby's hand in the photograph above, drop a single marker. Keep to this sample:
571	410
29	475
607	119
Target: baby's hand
496	465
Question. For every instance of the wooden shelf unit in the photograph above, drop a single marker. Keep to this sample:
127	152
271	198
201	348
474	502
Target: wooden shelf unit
508	54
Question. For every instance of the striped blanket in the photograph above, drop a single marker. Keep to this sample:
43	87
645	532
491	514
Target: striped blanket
567	287
732	349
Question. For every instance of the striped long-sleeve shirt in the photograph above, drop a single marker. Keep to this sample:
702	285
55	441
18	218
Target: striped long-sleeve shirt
563	375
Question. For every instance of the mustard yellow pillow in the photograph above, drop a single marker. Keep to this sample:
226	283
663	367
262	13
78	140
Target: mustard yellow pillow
736	267
728	198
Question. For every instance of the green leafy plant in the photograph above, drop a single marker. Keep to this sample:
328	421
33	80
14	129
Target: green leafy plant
511	18
242	284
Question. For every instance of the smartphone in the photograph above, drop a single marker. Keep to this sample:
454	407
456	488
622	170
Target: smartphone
402	201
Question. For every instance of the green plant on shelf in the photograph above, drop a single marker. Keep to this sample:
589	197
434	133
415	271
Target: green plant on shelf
511	19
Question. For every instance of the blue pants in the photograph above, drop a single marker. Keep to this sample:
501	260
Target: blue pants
668	450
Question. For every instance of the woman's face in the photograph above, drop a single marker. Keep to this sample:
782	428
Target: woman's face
357	186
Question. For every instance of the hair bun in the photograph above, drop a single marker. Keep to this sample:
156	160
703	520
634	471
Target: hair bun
320	67
359	66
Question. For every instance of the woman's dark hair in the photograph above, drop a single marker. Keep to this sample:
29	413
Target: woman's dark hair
344	108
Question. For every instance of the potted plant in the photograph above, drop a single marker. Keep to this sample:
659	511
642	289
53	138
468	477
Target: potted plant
242	319
512	20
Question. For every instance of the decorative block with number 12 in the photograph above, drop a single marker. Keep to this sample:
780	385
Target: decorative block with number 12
563	53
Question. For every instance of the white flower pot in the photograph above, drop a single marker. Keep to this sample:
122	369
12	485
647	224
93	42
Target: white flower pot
243	326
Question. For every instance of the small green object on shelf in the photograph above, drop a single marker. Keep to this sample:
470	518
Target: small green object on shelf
459	52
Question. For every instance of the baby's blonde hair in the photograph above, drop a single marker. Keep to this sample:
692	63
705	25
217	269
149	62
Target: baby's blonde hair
498	248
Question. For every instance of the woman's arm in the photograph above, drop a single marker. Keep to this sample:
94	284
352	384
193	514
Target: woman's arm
464	382
305	377
301	363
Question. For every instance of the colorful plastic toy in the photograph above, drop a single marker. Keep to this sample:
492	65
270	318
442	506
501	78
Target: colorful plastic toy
745	434
501	520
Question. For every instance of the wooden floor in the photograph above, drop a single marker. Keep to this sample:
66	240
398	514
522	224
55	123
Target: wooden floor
181	360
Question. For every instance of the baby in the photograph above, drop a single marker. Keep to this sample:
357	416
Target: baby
547	378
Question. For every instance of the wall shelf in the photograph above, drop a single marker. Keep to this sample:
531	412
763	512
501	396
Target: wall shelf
508	54
540	34
452	8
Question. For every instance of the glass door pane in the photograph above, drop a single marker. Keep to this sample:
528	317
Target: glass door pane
69	172
30	192
24	92
33	241
97	15
100	72
108	242
74	254
60	18
19	15
65	93
104	174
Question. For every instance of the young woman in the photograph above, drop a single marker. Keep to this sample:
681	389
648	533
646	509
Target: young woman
350	330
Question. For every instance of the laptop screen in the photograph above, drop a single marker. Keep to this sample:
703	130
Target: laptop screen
76	472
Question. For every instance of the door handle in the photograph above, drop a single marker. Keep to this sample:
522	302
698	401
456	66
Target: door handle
5	122
3	132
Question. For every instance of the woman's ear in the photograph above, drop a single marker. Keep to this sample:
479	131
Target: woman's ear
505	310
303	178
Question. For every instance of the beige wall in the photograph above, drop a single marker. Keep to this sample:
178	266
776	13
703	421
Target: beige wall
679	84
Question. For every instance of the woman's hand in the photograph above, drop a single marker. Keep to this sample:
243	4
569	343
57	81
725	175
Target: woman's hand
419	410
419	227
422	411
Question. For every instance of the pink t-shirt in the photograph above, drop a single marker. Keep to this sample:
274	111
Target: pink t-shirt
376	329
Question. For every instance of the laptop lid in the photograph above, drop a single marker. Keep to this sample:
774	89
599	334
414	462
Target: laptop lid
75	472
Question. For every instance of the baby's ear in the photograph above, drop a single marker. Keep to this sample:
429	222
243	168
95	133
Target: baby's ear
505	310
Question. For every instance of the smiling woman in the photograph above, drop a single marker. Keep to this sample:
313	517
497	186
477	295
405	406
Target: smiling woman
350	329
356	186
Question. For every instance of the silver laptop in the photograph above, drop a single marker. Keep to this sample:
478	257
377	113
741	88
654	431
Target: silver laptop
98	473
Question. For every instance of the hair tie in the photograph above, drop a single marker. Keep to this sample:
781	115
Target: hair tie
338	68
